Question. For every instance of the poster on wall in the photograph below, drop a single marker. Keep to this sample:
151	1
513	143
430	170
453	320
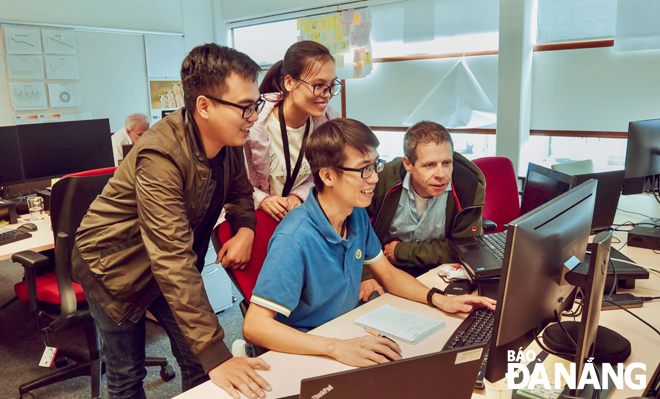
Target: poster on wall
24	67
62	67
28	96
346	34
164	95
22	41
59	41
64	96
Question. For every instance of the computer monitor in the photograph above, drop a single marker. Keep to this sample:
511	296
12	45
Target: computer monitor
607	197
540	249
592	282
51	150
642	156
542	185
11	169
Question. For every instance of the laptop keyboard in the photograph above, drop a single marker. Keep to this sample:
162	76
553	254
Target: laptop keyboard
13	235
475	329
493	244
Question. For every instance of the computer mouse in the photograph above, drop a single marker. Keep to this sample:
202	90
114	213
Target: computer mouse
27	227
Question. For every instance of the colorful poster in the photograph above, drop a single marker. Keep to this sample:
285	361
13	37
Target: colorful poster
345	34
166	94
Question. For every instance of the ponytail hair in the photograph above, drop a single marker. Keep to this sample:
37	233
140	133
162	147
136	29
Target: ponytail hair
301	59
272	82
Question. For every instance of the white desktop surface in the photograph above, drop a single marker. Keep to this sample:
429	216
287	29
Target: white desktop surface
41	240
288	370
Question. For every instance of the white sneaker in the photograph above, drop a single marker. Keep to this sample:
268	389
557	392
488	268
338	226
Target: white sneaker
238	348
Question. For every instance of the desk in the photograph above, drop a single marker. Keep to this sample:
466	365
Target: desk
287	370
41	240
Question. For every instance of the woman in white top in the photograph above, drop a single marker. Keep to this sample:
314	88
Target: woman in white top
297	90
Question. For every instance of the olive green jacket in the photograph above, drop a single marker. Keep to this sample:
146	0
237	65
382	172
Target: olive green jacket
136	240
464	206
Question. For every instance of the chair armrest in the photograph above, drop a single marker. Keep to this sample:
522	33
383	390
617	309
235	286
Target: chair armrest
31	262
488	225
68	303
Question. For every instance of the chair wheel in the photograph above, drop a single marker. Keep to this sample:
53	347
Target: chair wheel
167	373
61	361
26	395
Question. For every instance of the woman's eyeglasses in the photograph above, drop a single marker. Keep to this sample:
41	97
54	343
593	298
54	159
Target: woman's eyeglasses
321	89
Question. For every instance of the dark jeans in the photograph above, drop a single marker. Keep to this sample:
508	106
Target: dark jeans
123	350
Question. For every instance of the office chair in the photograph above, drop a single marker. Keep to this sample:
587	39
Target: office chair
246	279
56	297
502	198
575	168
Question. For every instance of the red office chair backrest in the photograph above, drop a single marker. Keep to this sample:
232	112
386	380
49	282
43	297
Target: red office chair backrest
71	197
502	200
247	278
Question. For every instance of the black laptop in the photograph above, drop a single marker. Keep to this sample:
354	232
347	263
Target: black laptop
483	255
442	375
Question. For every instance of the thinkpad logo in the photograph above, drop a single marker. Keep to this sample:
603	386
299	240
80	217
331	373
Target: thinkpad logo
322	392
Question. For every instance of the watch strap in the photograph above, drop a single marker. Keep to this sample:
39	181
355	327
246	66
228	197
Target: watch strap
433	291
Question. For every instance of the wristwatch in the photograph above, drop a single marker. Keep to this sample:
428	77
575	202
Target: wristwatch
433	291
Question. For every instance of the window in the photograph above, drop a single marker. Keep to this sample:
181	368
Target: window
574	20
472	146
402	25
606	153
266	43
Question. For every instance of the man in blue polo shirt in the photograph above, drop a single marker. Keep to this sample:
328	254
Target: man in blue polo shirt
312	272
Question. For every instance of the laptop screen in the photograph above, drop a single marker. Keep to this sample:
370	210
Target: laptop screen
542	185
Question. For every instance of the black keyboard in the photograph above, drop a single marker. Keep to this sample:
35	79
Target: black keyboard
13	235
493	243
475	329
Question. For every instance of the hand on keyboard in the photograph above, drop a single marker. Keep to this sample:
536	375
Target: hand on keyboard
462	303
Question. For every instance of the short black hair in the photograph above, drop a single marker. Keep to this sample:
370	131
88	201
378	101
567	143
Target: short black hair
325	146
206	68
424	132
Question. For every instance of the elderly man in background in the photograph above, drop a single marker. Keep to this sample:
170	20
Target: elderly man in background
134	126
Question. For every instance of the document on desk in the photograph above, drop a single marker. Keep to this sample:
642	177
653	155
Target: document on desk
400	324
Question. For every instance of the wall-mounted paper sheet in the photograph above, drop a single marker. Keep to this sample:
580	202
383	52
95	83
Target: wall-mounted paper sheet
28	96
59	41
62	67
22	41
25	66
64	96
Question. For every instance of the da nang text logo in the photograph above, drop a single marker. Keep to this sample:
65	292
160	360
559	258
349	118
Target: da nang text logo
589	376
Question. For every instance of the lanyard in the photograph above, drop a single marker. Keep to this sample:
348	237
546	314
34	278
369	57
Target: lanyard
291	177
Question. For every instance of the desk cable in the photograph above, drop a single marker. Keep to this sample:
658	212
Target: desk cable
608	300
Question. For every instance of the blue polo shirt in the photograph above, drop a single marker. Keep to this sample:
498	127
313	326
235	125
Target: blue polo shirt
311	275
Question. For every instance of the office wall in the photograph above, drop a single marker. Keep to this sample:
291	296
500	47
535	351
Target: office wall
145	15
594	89
113	73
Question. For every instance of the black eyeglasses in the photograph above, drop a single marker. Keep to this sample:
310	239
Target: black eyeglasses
367	170
248	110
321	89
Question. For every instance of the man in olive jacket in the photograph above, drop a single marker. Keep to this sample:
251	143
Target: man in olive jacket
423	199
142	244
